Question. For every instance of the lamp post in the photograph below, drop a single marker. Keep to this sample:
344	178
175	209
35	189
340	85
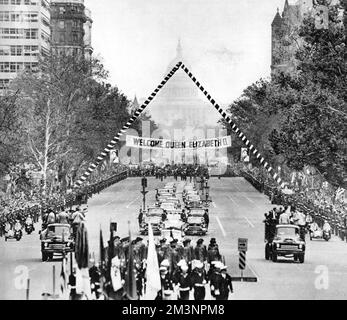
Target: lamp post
144	192
207	190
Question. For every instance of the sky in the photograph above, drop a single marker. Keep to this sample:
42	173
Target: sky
227	43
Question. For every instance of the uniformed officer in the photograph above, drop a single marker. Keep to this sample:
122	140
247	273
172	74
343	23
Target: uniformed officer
183	282
94	274
162	250
213	275
140	217
166	284
198	281
223	285
188	252
200	251
213	251
206	218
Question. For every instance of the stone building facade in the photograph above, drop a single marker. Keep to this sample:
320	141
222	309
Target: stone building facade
284	40
71	25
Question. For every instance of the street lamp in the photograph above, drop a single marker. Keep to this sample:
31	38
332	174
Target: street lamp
144	192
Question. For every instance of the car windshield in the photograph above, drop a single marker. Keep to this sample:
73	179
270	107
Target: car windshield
197	212
167	205
153	219
194	219
155	212
286	231
58	231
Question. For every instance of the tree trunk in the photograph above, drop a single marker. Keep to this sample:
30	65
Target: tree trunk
46	147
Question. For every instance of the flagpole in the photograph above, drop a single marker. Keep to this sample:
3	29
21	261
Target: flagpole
53	281
28	289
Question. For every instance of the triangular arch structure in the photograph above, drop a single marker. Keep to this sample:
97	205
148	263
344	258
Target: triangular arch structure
138	112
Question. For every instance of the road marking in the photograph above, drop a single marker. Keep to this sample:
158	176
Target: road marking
106	204
237	187
132	202
248	199
249	222
221	227
233	200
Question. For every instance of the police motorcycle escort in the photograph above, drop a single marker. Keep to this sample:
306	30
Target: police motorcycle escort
29	225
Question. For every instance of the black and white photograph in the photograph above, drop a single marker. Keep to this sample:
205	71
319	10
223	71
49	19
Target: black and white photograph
173	150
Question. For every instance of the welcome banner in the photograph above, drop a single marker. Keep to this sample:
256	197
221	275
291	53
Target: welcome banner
150	143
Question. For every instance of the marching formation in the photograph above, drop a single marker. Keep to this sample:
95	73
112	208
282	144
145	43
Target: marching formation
186	270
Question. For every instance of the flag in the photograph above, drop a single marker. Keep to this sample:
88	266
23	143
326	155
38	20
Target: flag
130	282
102	250
115	274
63	280
102	263
82	259
153	284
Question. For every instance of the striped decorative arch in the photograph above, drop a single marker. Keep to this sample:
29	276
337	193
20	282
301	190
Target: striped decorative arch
235	128
138	112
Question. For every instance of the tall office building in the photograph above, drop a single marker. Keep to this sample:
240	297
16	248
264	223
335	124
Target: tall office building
24	36
71	25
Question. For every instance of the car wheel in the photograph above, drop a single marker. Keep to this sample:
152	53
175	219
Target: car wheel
274	257
295	257
267	252
44	256
5	239
50	256
301	258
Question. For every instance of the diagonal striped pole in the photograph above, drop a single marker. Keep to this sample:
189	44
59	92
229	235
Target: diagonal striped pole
133	118
234	127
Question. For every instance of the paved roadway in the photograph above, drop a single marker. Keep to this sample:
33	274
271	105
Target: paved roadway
237	211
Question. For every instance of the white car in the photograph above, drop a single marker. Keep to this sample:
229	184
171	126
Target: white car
168	207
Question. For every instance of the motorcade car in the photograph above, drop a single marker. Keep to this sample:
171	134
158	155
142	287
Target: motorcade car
57	238
285	241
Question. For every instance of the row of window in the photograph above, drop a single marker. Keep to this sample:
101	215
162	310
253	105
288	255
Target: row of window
18	33
75	24
20	2
7	16
19	51
4	83
75	37
15	67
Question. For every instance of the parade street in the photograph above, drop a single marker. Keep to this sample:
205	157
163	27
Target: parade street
237	211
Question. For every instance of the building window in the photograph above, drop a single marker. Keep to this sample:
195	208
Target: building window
4	1
16	50
4	51
4	83
11	67
62	37
75	37
61	10
61	24
4	16
16	2
15	33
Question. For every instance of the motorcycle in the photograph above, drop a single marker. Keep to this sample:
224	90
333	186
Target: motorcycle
29	228
18	234
326	235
